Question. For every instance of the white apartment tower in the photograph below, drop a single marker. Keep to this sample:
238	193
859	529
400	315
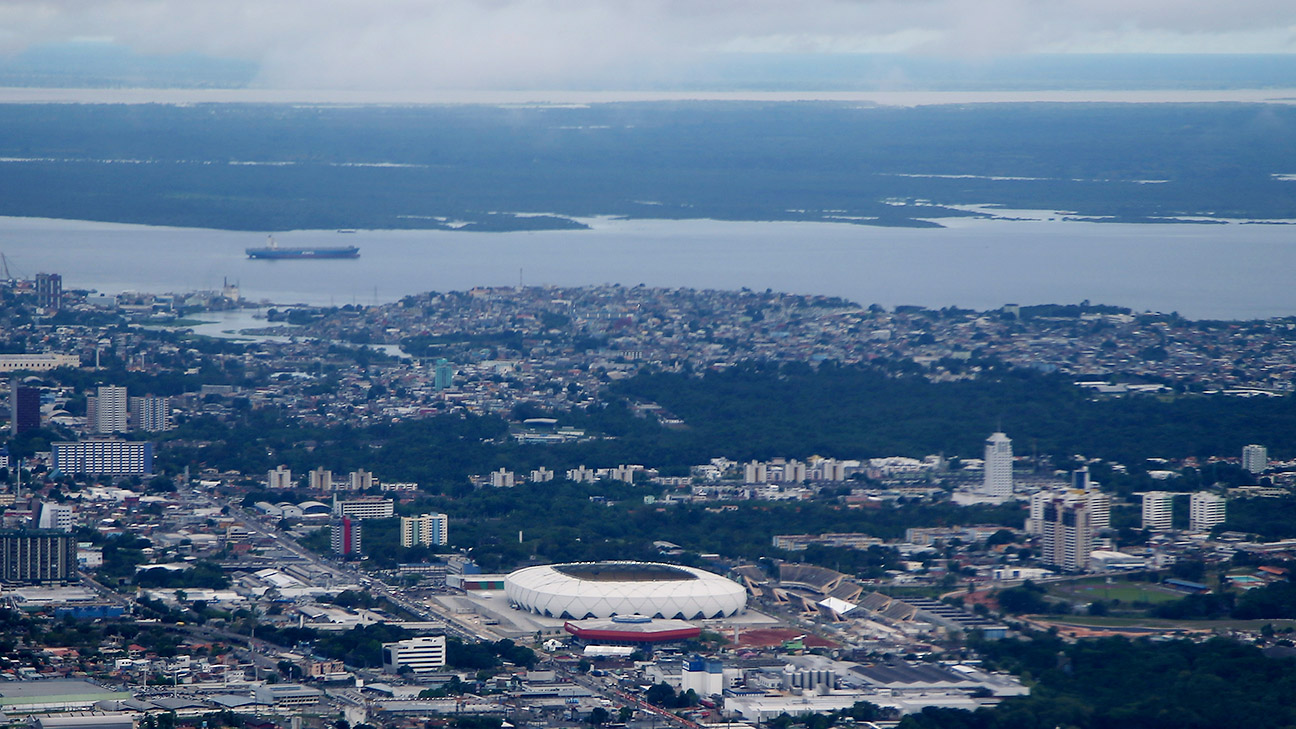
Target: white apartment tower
429	529
754	472
998	466
1205	510
361	480
1158	511
150	414
321	479
280	478
108	411
1255	458
502	479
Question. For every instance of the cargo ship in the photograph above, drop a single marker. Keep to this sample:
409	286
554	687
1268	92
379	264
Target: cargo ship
272	251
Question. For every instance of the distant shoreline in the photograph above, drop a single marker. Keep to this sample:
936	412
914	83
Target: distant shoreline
183	96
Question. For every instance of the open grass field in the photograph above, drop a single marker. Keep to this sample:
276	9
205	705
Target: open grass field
1126	592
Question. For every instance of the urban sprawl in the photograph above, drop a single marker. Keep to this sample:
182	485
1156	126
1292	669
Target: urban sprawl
155	575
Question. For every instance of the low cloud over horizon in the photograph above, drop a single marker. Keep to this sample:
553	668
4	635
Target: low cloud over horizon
467	44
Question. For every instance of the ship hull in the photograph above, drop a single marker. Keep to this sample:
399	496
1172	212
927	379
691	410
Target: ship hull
297	254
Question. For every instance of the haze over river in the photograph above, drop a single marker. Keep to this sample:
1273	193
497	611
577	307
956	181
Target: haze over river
1211	271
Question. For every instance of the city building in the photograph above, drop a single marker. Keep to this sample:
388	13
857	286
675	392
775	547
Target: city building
443	375
321	479
998	477
108	411
1255	458
149	414
1098	503
542	475
1067	531
37	362
1205	510
369	507
287	695
55	516
24	408
49	291
361	480
429	529
346	536
280	478
1158	511
37	556
423	654
502	479
103	457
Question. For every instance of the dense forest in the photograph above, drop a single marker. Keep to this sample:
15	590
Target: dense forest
763	411
1118	683
268	167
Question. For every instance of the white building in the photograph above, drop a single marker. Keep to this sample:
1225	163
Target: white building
1205	510
103	457
581	474
1255	458
37	362
361	480
1158	511
1099	505
998	478
280	478
429	529
754	472
108	411
542	475
365	508
321	479
1066	525
503	478
56	516
150	414
424	654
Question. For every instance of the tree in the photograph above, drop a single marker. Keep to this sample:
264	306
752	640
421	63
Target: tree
599	716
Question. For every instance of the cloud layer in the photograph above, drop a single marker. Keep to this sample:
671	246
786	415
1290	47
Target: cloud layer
553	43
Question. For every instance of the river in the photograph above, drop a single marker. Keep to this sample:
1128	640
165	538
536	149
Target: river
1223	271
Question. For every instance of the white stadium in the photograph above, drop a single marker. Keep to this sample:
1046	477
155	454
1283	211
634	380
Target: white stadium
581	590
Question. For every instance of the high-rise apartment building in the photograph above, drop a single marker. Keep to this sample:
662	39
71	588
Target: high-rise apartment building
108	410
24	408
1067	531
346	535
361	480
103	457
280	478
149	414
49	291
37	556
1205	510
1255	458
429	529
442	375
1098	504
321	479
1158	511
998	478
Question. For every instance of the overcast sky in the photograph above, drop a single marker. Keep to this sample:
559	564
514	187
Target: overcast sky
554	43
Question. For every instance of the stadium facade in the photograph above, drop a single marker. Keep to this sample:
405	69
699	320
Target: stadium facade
582	590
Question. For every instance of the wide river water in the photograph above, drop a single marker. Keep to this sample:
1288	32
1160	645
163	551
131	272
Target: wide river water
1222	271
